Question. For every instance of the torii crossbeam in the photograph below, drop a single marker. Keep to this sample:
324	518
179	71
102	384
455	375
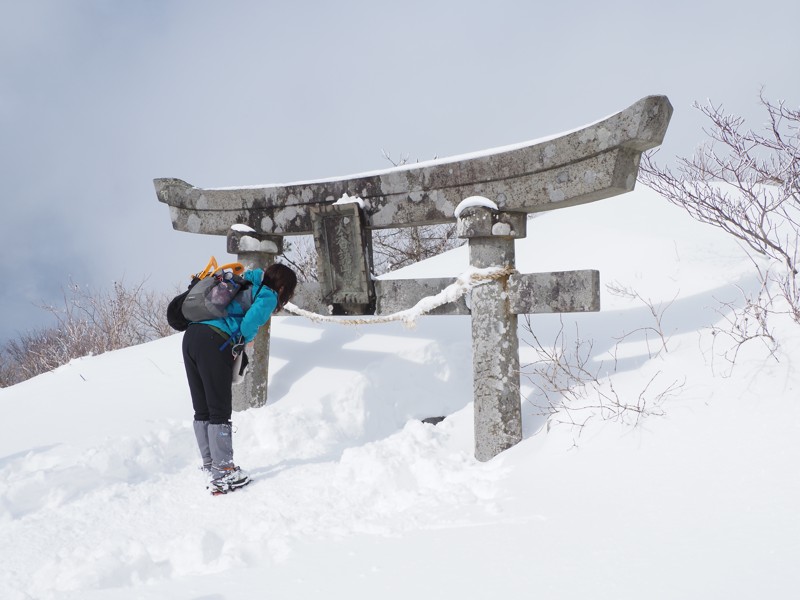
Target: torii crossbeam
595	162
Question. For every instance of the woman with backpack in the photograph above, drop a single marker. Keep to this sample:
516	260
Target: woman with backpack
210	348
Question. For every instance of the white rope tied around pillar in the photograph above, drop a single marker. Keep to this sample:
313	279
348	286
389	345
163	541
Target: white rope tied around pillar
469	279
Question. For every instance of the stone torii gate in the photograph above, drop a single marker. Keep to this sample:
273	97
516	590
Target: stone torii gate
598	161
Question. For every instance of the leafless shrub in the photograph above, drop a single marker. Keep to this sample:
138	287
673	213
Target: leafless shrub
744	321
8	371
301	255
655	338
748	184
396	248
397	163
573	387
88	322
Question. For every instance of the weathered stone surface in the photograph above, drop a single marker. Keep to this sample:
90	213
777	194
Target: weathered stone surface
485	222
595	162
240	242
565	291
252	392
495	354
534	293
343	258
491	252
308	296
395	295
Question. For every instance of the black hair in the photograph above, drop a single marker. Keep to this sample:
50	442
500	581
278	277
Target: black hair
282	280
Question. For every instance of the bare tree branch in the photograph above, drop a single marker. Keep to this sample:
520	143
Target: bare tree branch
89	322
747	183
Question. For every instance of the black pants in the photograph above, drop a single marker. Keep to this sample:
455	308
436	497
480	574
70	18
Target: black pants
210	373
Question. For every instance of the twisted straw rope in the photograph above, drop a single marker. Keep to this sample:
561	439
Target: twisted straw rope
463	283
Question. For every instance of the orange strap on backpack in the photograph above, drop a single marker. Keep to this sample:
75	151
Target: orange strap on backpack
236	267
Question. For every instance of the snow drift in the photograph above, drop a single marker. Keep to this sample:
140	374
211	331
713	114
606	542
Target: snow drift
355	497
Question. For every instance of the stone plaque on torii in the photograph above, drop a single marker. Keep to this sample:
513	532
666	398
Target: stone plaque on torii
595	162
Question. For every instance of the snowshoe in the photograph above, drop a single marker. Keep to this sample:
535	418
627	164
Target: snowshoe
231	480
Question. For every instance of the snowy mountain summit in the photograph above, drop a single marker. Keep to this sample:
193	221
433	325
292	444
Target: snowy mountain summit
693	496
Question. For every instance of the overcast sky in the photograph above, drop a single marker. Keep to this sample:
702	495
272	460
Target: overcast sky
99	97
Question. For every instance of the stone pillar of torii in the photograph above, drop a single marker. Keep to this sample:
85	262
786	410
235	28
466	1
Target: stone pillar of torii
488	195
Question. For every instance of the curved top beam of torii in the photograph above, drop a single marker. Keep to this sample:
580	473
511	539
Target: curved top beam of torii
584	165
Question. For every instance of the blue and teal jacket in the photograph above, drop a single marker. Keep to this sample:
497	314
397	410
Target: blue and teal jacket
260	311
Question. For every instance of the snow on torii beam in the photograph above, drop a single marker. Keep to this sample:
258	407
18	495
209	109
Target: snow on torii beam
598	161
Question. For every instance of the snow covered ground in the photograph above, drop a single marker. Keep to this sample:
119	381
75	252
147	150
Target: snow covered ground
354	497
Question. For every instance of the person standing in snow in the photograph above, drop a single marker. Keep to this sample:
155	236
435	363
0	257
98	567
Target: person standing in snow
209	351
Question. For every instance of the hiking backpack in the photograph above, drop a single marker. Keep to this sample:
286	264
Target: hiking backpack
209	296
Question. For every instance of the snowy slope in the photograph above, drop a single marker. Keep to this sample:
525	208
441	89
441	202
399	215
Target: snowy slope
354	497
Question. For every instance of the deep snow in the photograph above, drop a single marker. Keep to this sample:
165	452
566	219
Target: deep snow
354	497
